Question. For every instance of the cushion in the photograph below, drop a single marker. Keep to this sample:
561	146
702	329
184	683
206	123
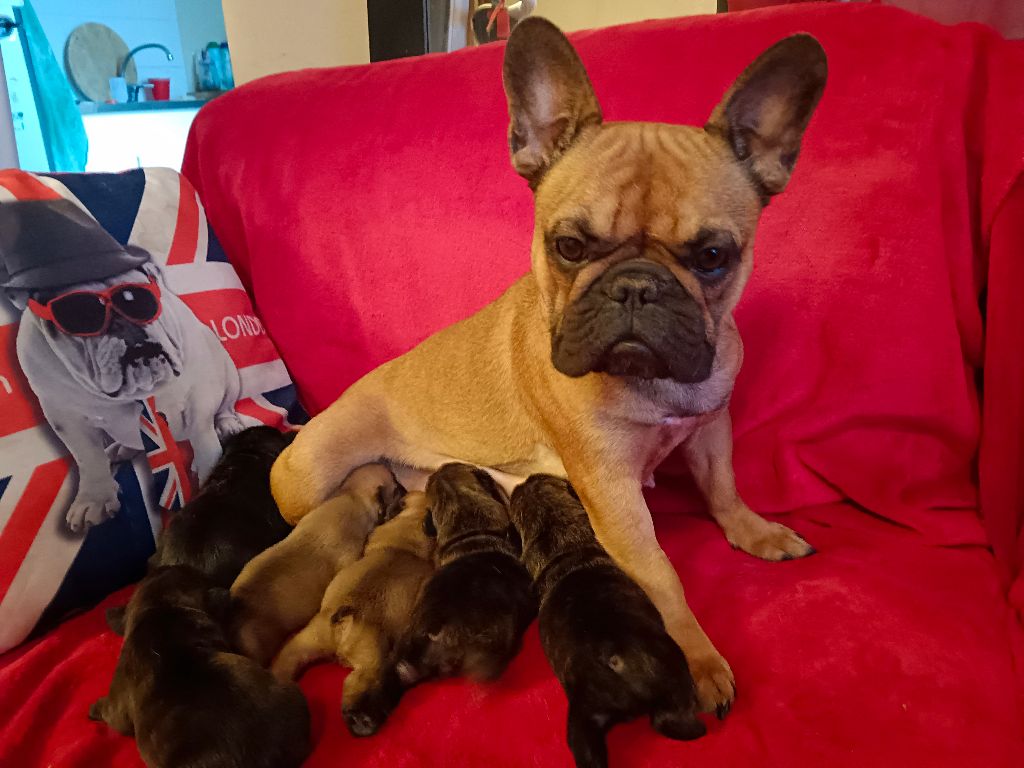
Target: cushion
143	454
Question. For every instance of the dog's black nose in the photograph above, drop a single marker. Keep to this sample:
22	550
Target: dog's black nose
633	287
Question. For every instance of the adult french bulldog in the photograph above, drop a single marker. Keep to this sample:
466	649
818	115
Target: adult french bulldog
100	332
620	343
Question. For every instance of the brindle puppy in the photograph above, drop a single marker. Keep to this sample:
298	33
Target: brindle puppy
187	699
233	517
475	608
603	636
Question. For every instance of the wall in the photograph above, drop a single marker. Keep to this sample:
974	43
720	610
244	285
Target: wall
268	36
199	22
588	14
8	149
136	21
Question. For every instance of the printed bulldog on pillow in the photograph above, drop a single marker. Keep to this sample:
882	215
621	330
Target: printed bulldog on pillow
128	352
101	338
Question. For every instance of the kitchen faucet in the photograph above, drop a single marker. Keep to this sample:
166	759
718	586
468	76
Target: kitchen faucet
133	90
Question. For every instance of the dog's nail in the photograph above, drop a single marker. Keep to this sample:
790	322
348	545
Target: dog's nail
722	710
811	551
786	556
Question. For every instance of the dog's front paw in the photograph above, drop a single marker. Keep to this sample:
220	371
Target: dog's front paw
227	424
716	685
93	506
769	541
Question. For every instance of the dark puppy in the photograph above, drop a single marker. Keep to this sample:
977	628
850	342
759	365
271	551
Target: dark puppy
233	517
187	699
472	614
602	635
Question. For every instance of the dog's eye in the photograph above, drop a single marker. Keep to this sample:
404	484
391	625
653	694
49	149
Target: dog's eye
570	249
711	262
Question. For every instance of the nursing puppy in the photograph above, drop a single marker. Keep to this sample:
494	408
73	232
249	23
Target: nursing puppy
475	608
233	518
187	699
280	590
365	610
601	633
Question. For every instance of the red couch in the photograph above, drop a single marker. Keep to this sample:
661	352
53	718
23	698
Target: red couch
367	207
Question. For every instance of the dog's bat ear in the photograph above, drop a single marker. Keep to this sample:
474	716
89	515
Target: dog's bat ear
115	619
764	114
550	98
428	525
586	739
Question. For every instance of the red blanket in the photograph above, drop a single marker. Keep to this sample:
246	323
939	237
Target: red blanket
367	207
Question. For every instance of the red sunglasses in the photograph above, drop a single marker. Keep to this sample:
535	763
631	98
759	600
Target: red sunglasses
88	313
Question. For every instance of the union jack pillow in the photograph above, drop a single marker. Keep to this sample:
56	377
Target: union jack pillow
128	351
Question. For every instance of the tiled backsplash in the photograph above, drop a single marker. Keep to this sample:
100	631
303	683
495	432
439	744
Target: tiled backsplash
136	21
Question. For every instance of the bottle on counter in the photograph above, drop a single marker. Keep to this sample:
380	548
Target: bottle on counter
227	75
206	79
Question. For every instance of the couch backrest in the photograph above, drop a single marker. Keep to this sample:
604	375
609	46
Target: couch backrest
370	206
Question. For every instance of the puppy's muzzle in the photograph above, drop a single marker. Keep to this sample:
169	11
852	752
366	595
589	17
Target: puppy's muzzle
635	320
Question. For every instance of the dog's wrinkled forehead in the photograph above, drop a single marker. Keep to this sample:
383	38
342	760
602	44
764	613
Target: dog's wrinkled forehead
661	182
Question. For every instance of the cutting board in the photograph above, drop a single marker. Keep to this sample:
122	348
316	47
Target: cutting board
92	56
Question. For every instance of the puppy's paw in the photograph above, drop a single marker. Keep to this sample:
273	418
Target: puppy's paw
92	506
766	540
679	725
96	710
716	685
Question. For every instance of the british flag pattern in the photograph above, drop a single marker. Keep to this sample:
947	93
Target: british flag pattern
44	571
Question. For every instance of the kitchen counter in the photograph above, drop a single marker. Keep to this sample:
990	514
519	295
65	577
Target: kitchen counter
95	108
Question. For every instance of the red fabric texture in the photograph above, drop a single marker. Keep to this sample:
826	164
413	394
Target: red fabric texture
367	207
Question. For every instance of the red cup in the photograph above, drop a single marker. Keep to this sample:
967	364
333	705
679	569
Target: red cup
161	90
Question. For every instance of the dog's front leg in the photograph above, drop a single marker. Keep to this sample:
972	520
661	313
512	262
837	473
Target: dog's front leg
622	522
96	500
351	432
709	454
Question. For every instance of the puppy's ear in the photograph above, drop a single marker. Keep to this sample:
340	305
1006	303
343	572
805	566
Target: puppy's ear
586	739
550	98
115	619
490	485
764	114
428	525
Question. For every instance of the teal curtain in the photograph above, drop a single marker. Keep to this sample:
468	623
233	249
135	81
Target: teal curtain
67	145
